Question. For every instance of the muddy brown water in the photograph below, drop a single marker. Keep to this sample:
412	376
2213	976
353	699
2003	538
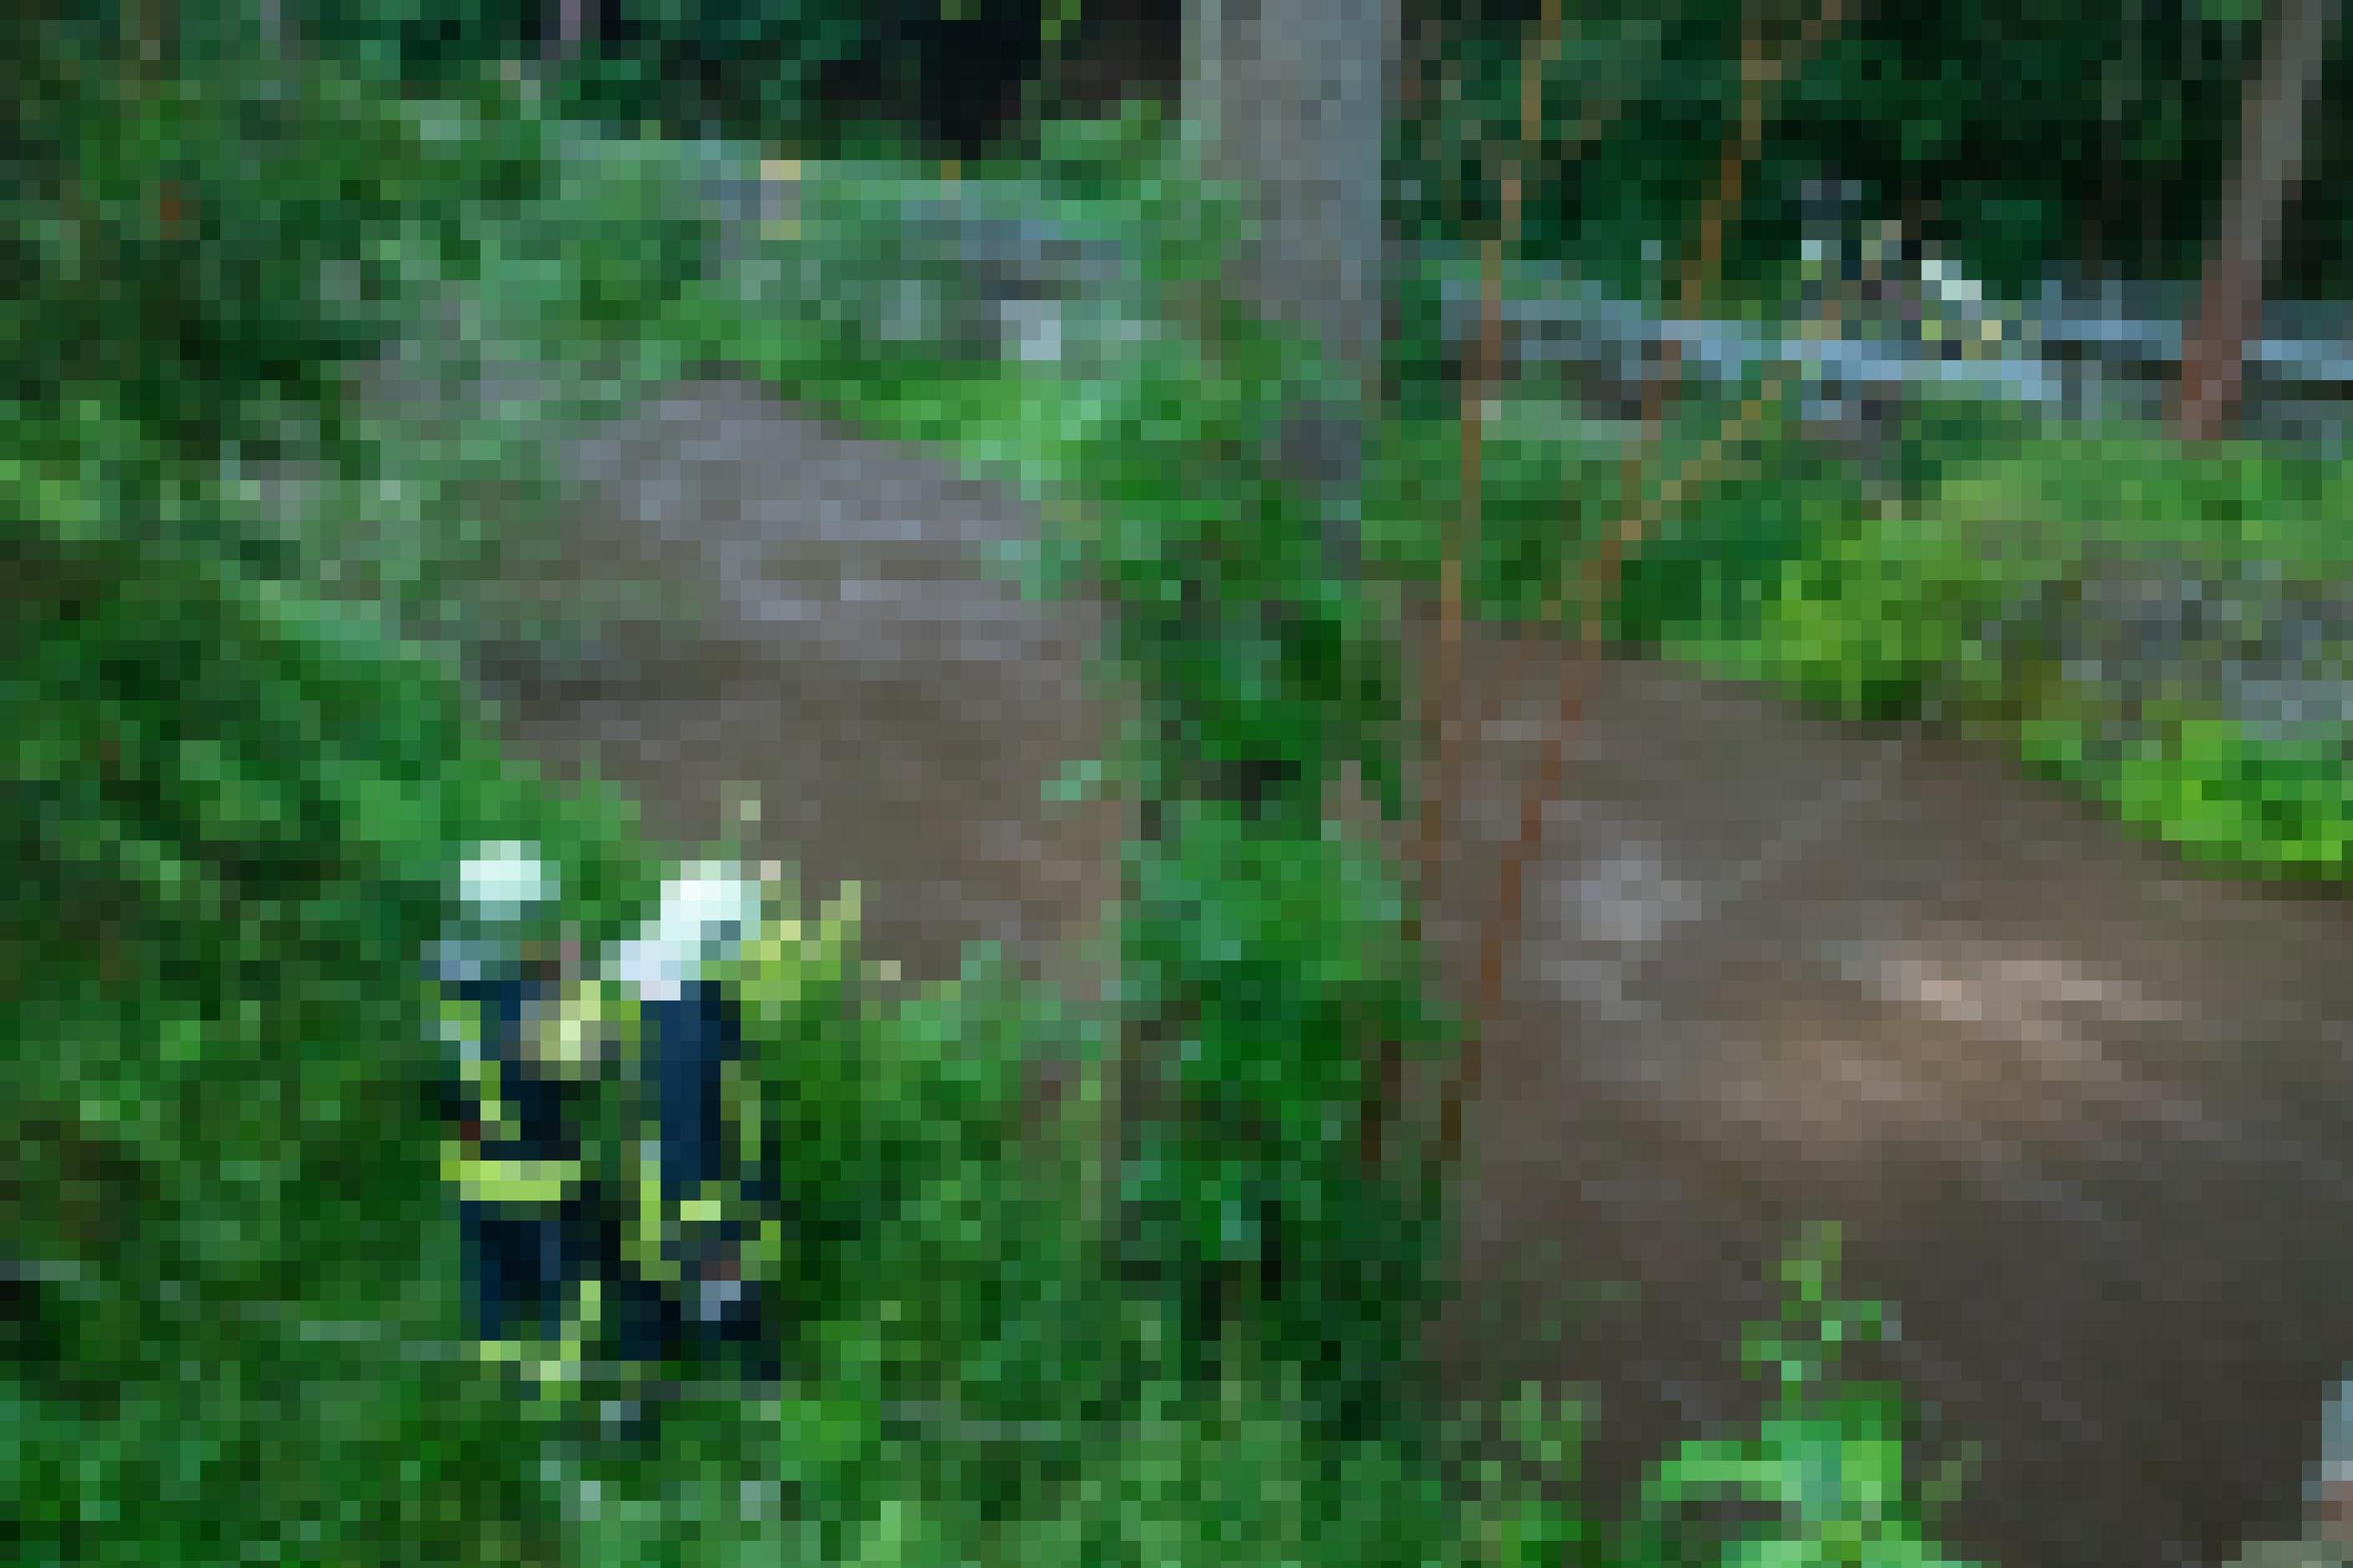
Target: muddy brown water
2083	1111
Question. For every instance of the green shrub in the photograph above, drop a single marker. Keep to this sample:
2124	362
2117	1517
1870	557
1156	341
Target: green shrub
732	63
232	1326
1969	604
1829	1463
233	812
1552	490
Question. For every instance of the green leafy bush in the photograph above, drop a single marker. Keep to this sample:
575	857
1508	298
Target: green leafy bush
2083	115
233	809
231	1323
1829	1462
1552	490
1999	603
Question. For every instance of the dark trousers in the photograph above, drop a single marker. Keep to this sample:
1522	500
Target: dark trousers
688	1042
651	1324
523	1269
526	1265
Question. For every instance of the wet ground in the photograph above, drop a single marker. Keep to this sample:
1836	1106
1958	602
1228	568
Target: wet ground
2085	1112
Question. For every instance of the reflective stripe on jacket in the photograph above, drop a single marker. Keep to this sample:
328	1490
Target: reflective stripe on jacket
508	1182
523	1075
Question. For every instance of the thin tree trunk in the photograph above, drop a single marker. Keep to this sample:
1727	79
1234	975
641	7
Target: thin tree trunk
2277	112
1447	708
152	31
569	32
1761	74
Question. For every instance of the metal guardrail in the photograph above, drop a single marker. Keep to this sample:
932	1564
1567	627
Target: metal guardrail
2072	348
2076	350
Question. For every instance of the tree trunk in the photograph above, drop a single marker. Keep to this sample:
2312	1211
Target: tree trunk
1290	99
568	33
2273	122
1287	100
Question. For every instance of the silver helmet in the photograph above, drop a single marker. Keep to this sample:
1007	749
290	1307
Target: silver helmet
509	907
708	910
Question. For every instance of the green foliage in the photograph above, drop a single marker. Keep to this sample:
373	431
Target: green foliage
509	322
712	65
1530	1511
1262	957
2211	789
232	1331
1100	157
2124	116
739	65
210	254
833	1476
1274	955
813	74
618	236
1552	490
2221	504
1973	604
238	802
1231	1480
204	251
894	1122
1885	613
1827	1463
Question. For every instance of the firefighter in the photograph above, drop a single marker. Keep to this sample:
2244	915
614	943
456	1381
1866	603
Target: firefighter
703	1205
526	1043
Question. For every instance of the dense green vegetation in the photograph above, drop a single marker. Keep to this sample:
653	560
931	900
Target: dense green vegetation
2039	134
230	804
2105	604
2042	135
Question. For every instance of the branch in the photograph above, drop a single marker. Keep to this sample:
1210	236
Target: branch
1760	74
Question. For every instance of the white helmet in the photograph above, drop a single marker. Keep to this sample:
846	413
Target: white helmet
507	895
501	883
706	910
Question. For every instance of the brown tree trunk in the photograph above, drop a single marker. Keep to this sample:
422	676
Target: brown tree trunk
2278	108
1762	73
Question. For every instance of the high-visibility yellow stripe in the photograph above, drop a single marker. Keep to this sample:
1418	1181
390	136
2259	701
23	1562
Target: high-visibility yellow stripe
512	1353
564	1368
646	1248
482	1075
509	1182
